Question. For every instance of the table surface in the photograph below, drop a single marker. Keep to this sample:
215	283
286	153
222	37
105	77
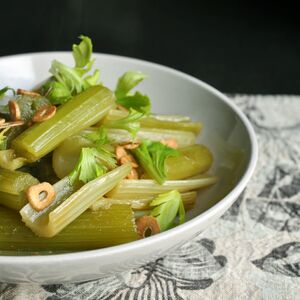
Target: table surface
252	252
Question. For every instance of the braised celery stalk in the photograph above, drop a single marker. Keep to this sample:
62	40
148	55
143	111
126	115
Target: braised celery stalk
192	161
183	138
127	189
82	111
13	185
188	199
154	122
149	122
91	230
117	114
65	213
63	189
67	153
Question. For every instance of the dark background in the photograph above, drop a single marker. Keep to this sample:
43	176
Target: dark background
238	47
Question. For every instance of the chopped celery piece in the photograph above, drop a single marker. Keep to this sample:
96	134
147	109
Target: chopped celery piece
82	111
13	185
51	224
183	138
157	121
91	230
171	118
142	203
149	122
63	189
192	161
145	187
28	106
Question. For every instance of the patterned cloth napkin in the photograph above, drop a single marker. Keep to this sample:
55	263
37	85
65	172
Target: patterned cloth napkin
252	252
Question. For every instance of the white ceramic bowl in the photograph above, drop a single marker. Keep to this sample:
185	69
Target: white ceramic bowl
226	131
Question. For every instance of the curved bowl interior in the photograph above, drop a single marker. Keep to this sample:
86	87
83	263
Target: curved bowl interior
226	132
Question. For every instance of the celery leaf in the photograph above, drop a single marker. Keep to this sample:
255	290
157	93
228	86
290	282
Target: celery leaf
130	122
92	163
166	207
152	156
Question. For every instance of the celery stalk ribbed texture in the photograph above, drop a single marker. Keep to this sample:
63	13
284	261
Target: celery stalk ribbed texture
91	230
82	111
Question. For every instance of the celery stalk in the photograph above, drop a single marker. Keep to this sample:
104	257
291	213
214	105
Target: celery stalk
63	189
91	230
13	185
51	224
82	111
184	138
115	114
157	122
192	161
188	199
145	187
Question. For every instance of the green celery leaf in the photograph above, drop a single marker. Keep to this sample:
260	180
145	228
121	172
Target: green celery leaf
106	157
98	137
69	81
56	92
151	157
88	166
137	102
6	89
159	153
166	208
82	53
92	80
130	123
67	76
127	82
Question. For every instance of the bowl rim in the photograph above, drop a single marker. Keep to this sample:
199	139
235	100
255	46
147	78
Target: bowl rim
102	252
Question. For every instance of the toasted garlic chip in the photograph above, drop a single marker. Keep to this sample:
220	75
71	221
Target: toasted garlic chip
27	93
34	192
172	143
121	107
129	158
120	152
133	174
131	146
14	109
44	113
147	226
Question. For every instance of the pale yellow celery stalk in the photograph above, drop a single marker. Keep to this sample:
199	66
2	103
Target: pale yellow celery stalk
83	110
153	122
188	199
91	230
63	189
77	203
13	185
127	189
184	138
